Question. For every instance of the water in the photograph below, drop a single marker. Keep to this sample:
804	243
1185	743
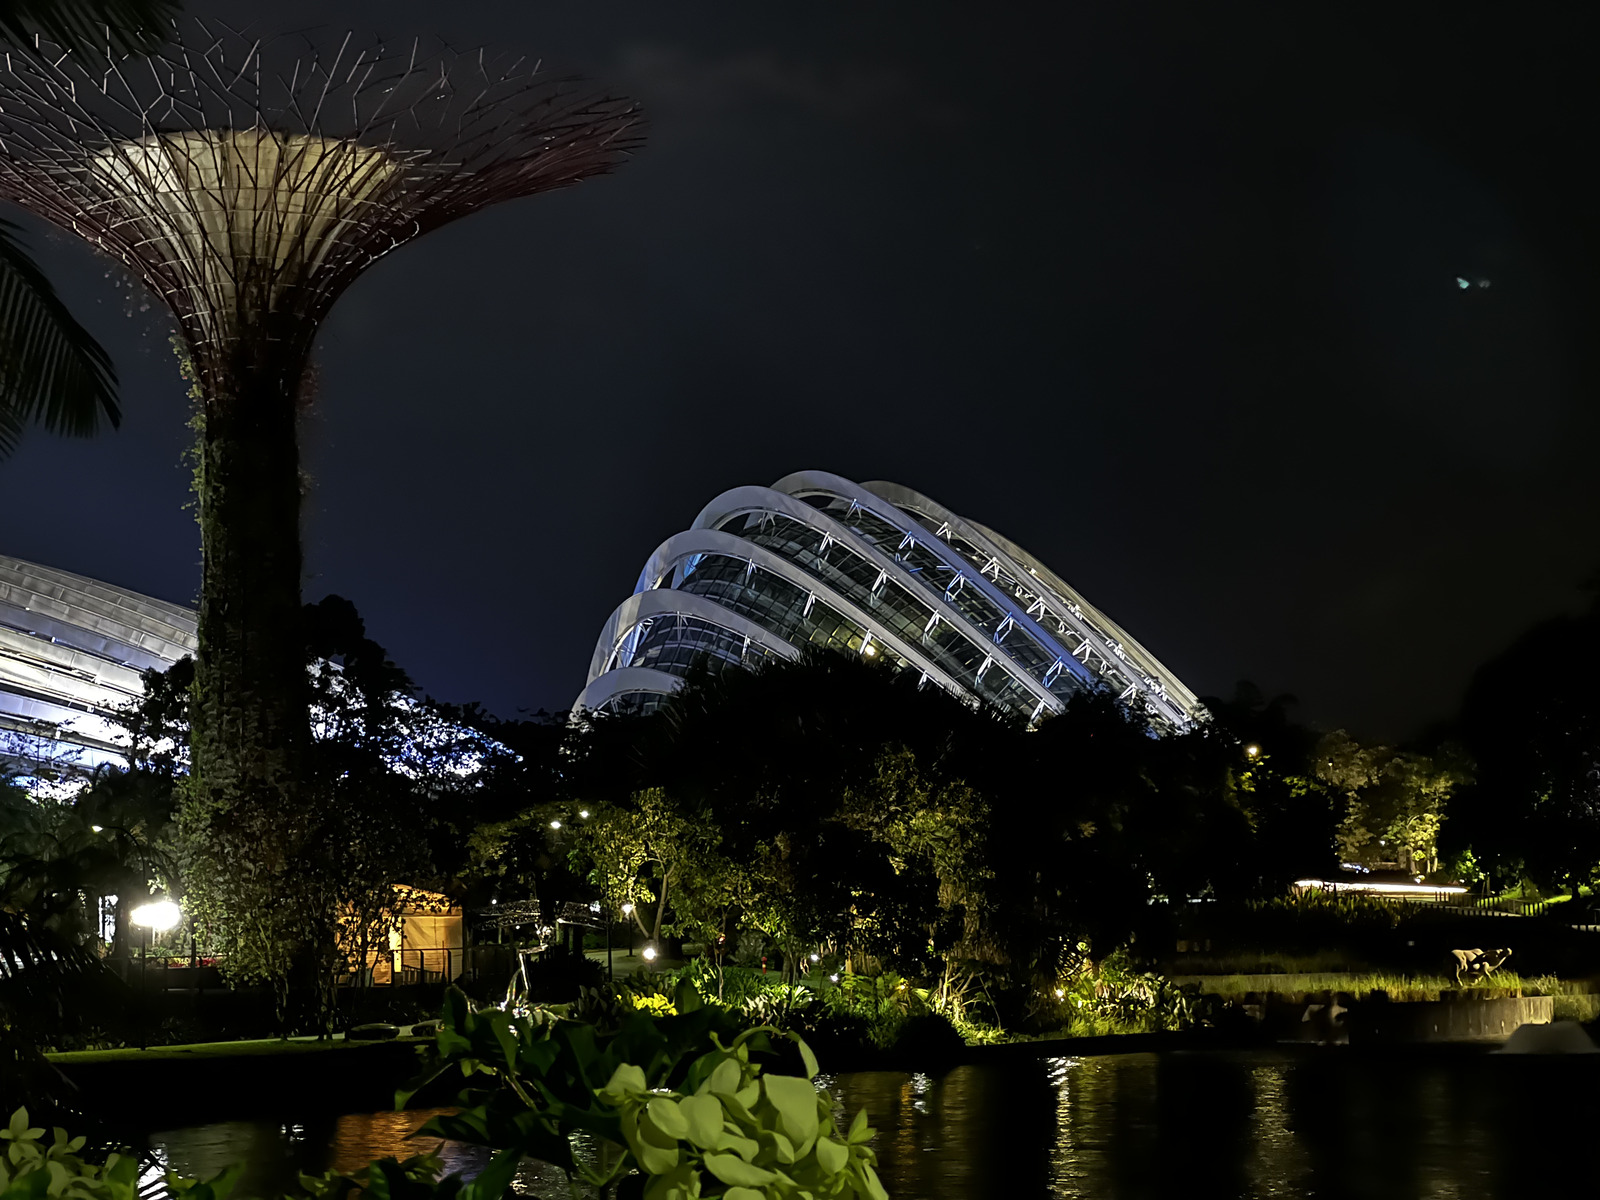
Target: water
1324	1123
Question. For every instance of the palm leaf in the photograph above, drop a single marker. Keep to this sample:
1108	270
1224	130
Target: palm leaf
89	26
52	373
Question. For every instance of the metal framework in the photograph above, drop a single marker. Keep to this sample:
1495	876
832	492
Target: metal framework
248	182
876	569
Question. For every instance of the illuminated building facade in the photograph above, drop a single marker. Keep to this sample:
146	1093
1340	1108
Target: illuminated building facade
873	569
71	651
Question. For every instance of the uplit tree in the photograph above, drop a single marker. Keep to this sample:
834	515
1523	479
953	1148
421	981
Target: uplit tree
1395	802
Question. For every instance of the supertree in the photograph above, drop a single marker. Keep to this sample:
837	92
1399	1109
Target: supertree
247	183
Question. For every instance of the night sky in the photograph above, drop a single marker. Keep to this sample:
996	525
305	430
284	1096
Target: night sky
1166	293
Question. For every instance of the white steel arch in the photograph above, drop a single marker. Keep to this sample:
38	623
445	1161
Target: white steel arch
625	681
1042	630
666	602
742	500
673	552
1108	632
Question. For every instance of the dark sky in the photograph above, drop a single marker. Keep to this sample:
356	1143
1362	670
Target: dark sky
1166	293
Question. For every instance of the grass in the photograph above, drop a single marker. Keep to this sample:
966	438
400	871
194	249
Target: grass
1190	966
1399	987
252	1049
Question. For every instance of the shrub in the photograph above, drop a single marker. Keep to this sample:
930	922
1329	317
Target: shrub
688	1109
928	1040
558	974
33	1169
1113	997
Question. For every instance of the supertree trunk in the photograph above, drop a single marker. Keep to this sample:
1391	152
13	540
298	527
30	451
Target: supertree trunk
248	183
248	707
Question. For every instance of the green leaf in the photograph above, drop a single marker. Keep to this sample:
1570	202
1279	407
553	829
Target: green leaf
655	1153
680	1183
860	1131
627	1080
686	997
704	1117
743	1193
727	1078
495	1180
831	1156
779	1147
669	1118
745	1148
403	1095
796	1102
807	1057
730	1168
52	372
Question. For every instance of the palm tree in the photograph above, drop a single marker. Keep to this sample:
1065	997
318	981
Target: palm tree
52	372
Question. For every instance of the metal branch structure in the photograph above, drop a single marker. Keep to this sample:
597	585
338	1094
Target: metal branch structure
248	182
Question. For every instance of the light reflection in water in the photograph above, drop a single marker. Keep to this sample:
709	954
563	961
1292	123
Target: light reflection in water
1276	1160
154	1171
1321	1122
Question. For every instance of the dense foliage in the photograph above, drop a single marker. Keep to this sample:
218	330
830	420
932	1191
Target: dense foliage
831	809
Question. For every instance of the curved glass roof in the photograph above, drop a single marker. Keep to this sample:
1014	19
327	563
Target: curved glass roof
874	569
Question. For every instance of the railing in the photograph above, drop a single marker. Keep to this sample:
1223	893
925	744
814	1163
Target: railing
1483	906
389	968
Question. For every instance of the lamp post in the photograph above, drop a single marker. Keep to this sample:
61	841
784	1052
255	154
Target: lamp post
153	916
627	912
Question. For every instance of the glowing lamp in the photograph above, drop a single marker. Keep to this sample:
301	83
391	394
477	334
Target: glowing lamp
555	824
158	915
649	954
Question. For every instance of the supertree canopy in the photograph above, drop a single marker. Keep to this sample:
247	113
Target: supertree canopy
247	183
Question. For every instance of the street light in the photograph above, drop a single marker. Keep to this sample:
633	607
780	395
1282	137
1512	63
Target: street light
154	916
649	954
1252	751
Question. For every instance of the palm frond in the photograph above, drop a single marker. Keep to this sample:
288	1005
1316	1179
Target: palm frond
112	27
52	373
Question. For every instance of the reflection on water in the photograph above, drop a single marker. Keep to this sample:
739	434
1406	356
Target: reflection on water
1328	1123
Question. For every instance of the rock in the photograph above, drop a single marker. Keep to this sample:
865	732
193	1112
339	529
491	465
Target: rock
1558	1037
377	1031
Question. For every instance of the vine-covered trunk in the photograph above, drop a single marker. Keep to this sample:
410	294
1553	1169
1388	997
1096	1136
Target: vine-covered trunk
248	711
242	817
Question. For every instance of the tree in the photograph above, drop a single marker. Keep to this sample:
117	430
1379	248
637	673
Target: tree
52	372
922	905
1291	812
1531	723
640	852
310	891
1395	801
